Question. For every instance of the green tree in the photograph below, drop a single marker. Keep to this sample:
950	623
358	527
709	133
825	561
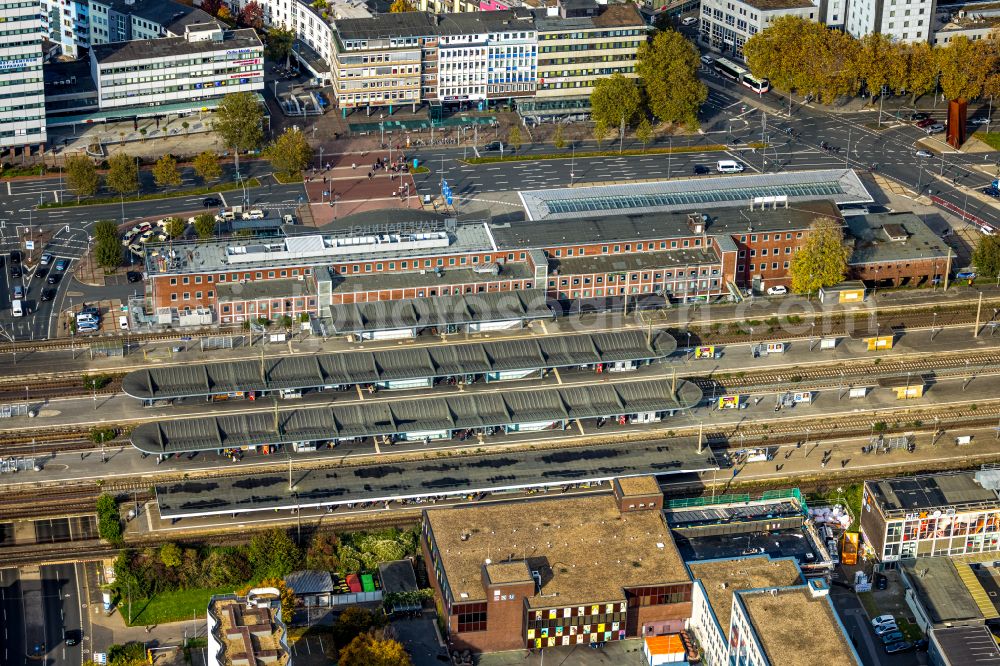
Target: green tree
986	257
227	567
615	101
776	53
109	522
239	120
401	6
175	227
123	174
166	173
822	259
600	133
366	650
558	140
644	132
322	552
965	65
206	165
204	226
514	137
877	57
290	153
273	554
171	555
107	248
279	43
668	67
81	176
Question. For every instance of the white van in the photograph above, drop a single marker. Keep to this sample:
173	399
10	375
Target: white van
16	308
729	166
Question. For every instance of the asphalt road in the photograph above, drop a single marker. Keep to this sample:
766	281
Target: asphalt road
12	638
61	601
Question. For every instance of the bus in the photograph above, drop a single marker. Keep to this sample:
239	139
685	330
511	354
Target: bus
731	70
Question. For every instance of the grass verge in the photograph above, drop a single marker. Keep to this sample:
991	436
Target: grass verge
419	169
868	601
169	606
194	191
285	179
992	139
607	153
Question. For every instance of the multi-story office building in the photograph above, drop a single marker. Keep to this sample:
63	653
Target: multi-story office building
313	29
206	62
77	24
22	88
575	51
726	25
412	57
900	20
951	513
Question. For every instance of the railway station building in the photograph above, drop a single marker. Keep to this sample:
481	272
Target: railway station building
948	513
559	571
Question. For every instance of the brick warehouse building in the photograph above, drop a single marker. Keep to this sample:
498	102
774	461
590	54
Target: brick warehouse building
560	571
599	247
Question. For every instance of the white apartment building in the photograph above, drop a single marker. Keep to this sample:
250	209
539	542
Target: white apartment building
900	20
726	25
481	58
207	62
22	88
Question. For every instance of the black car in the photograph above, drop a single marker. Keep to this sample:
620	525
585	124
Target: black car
15	256
53	278
701	169
48	294
212	202
919	115
71	641
493	145
881	581
15	270
896	648
133	276
41	272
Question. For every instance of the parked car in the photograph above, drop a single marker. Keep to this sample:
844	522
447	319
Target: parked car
133	276
924	153
926	122
494	146
701	170
965	275
934	129
212	202
919	115
883	619
689	20
778	290
892	637
881	581
991	192
707	59
46	259
896	648
886	628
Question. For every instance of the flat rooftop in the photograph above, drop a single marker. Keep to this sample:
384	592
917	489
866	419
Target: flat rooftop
145	49
722	578
585	549
404	479
424	24
968	645
777	5
930	491
570	266
797	629
638	486
885	237
264	289
446	276
250	633
837	185
940	589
